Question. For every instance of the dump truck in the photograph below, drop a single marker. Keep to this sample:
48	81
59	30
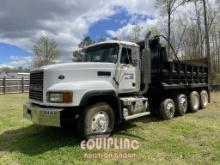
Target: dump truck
116	81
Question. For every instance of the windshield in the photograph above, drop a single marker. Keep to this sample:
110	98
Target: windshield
102	53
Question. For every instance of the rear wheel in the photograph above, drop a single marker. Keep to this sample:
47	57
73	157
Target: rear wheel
97	121
181	104
194	101
167	109
204	99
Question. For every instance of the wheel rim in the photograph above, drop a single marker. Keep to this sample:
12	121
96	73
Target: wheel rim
100	122
171	109
204	98
195	101
183	103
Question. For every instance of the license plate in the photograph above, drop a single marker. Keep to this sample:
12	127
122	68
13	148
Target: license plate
50	113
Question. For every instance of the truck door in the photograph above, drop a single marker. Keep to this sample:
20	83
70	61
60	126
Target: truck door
127	72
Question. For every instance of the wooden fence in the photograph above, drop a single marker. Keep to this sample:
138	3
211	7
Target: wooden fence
21	85
17	85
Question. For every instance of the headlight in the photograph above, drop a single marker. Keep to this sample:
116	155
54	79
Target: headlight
60	97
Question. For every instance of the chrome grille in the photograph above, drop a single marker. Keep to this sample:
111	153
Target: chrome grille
36	86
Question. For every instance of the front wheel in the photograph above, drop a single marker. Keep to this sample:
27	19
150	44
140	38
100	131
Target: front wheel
97	121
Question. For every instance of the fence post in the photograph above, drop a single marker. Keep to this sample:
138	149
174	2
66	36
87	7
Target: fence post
22	84
4	85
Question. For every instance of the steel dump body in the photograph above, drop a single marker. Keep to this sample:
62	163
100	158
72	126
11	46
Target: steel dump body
170	77
174	74
170	74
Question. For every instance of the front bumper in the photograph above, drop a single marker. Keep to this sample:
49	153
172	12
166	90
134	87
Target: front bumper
41	115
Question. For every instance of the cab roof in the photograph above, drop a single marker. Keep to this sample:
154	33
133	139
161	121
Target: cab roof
115	42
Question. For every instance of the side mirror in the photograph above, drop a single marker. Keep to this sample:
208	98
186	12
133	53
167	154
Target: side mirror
134	62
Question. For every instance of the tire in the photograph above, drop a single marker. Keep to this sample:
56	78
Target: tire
204	99
167	109
97	121
181	104
194	101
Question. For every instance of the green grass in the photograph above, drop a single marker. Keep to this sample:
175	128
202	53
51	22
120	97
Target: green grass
216	79
192	139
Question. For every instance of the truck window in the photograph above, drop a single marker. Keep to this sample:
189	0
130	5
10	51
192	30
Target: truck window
102	53
126	56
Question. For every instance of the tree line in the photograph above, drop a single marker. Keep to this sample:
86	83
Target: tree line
16	69
194	34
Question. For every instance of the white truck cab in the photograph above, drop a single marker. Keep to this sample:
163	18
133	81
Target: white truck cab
92	91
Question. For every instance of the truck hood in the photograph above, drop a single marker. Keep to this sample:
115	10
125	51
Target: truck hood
77	73
77	77
78	66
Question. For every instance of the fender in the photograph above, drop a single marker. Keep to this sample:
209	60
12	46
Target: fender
103	94
80	88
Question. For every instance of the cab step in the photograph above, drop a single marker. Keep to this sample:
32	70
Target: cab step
136	116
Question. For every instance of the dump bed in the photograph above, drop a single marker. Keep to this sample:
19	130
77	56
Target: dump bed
174	73
179	73
166	78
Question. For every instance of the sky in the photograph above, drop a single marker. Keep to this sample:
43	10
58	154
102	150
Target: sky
66	21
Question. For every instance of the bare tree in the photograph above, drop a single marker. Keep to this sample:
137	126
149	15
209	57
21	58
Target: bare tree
46	52
134	36
78	54
138	32
86	42
207	41
207	27
198	35
168	7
